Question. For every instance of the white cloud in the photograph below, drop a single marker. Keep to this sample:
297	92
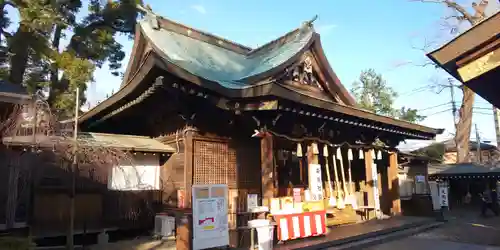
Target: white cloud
326	29
199	8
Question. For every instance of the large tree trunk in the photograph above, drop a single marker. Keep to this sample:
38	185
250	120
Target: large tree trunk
55	84
464	125
19	48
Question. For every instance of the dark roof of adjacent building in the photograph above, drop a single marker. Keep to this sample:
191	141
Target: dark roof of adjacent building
450	146
122	142
459	169
463	170
12	93
475	53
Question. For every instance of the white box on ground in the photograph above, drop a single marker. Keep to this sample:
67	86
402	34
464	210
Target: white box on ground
164	225
265	232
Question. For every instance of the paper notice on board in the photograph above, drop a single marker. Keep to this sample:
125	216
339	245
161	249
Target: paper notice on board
252	202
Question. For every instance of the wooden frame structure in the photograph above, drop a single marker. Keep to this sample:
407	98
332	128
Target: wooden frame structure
232	112
474	58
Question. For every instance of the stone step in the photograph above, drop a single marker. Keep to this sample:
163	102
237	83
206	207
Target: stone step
380	239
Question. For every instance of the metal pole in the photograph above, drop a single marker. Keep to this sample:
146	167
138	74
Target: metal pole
478	145
70	240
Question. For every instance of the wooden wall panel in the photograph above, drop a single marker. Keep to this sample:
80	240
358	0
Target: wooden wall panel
214	163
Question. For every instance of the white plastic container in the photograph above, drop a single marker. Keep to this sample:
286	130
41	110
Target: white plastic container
265	232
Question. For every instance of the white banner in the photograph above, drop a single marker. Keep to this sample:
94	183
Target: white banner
315	182
443	194
434	195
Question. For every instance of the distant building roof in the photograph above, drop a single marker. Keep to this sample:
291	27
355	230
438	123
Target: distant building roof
12	93
123	142
450	146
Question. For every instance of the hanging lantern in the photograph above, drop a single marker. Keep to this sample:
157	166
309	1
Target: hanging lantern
379	155
299	150
315	148
339	154
325	151
349	155
361	154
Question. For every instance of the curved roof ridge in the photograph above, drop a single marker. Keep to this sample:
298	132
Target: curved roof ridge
203	36
305	25
210	38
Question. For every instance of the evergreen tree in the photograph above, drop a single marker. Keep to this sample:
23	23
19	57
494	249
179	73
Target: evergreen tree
374	94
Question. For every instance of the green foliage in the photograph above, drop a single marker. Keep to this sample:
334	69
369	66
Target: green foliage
32	54
15	243
409	114
435	151
374	94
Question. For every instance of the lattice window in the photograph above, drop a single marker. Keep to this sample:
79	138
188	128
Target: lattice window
214	163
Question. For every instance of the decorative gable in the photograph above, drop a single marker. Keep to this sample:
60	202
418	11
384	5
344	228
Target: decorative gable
304	74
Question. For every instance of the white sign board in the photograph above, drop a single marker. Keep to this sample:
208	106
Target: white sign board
443	194
315	182
252	202
434	195
210	223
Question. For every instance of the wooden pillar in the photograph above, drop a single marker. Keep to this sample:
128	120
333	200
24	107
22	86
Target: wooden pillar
369	182
188	168
267	168
184	224
394	183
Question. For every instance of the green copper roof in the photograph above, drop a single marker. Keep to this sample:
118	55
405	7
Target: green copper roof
221	65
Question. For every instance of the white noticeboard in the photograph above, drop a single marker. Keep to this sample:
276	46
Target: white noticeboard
435	195
443	194
210	223
315	182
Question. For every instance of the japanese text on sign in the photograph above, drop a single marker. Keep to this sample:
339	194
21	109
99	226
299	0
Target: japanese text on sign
315	182
443	195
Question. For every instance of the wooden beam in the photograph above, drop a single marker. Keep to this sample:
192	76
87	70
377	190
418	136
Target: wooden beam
267	168
480	66
369	178
394	183
477	54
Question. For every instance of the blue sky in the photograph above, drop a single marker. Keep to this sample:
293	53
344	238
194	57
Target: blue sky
355	35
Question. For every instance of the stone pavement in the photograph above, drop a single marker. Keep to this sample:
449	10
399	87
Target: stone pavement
343	234
416	243
465	229
145	243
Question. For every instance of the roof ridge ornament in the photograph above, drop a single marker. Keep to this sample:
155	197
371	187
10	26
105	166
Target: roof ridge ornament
150	17
309	24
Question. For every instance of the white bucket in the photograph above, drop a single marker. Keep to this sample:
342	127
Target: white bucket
265	232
